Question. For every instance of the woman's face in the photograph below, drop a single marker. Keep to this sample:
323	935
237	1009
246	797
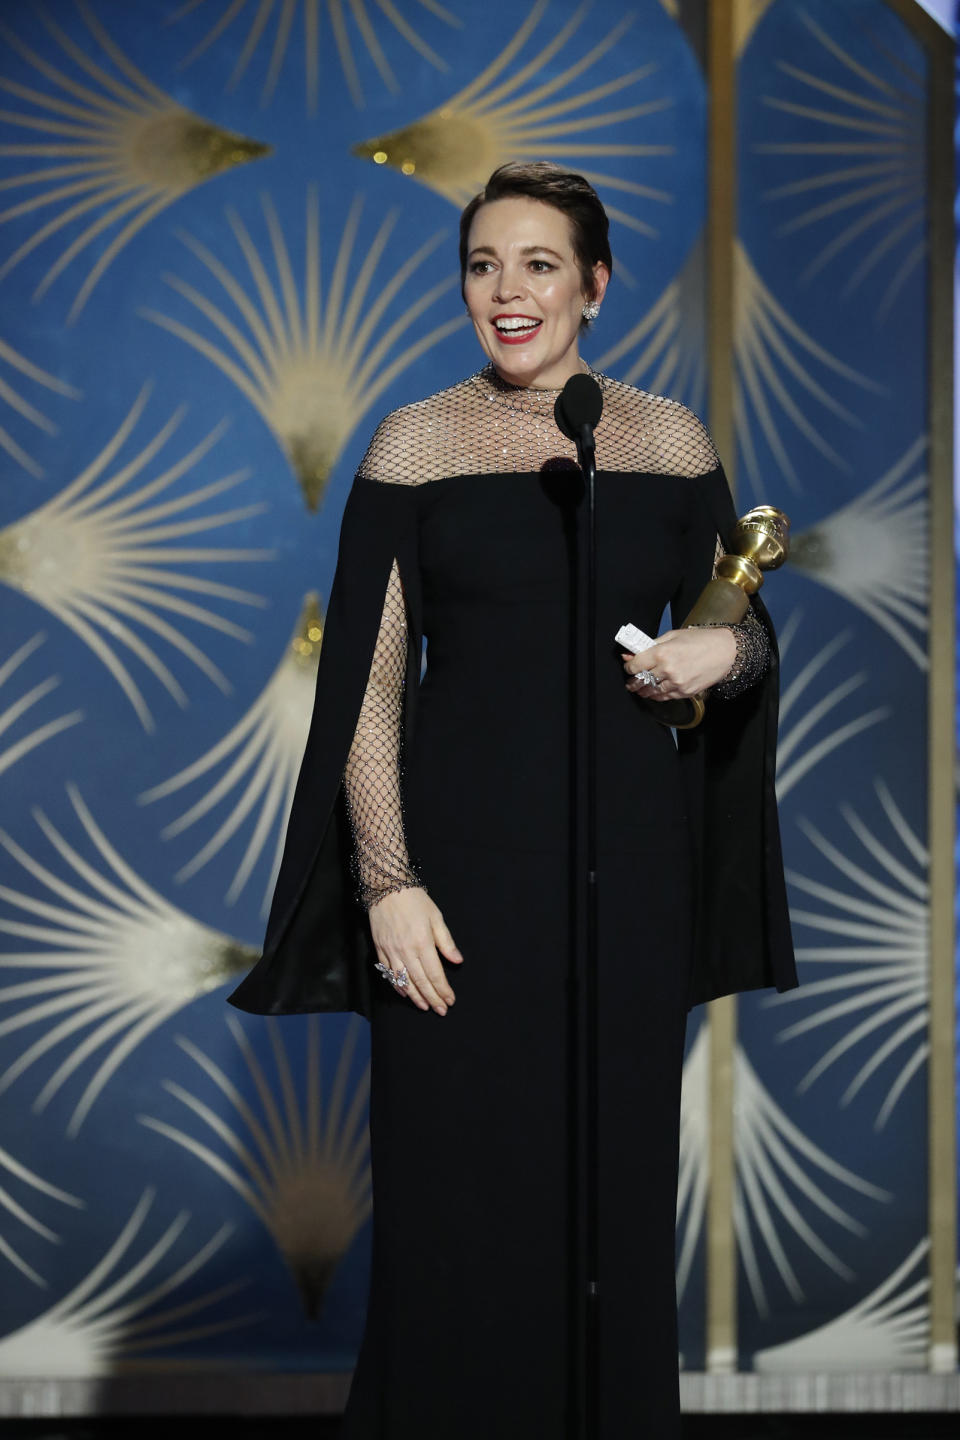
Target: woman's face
524	290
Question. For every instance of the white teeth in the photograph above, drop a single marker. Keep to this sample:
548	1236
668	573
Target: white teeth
515	323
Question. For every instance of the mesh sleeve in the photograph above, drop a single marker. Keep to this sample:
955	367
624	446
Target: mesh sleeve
372	775
752	659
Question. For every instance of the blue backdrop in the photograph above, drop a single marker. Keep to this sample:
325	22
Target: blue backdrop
227	247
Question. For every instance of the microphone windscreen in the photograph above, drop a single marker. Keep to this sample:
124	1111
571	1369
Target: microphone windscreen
579	403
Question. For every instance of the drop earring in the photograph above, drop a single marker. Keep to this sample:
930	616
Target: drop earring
591	310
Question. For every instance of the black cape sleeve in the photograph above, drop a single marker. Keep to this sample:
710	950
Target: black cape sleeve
742	926
317	951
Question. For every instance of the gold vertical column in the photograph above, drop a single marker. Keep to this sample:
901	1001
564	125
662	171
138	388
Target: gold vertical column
941	741
721	1262
941	690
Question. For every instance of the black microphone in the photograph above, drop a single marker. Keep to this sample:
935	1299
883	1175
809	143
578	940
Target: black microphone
578	408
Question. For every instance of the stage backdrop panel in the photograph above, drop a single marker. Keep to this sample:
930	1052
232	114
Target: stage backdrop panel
228	247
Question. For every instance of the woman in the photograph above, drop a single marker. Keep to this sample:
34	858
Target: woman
454	803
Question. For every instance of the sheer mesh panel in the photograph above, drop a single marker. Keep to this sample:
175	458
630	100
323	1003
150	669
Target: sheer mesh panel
481	426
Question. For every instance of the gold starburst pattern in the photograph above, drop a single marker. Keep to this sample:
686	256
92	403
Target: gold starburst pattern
879	930
496	118
301	1166
666	348
875	552
803	740
264	750
21	406
781	1174
122	959
747	15
261	11
312	370
122	147
775	372
16	1173
97	562
11	713
111	1323
869	131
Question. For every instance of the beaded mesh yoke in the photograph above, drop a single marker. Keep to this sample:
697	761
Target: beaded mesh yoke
479	426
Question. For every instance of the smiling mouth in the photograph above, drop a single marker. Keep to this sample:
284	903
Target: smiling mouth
515	329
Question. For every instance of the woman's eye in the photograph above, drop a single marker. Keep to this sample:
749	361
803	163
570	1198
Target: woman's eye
541	266
479	267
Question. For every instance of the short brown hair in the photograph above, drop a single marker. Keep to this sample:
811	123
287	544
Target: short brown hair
564	190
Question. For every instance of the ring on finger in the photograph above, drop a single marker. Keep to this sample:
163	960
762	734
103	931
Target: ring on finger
401	979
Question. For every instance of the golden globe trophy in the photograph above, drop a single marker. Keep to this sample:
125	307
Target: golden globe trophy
761	541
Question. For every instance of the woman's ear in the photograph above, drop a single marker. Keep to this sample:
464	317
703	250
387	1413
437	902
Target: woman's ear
601	279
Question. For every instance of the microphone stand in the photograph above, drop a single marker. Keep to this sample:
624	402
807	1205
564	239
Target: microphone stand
585	1070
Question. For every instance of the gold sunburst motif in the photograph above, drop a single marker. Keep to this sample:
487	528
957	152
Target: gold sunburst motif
12	712
772	351
879	933
869	131
114	1321
875	552
311	370
803	742
16	1173
260	14
264	751
113	958
100	565
888	1330
301	1165
120	147
666	348
496	118
22	406
778	1169
747	15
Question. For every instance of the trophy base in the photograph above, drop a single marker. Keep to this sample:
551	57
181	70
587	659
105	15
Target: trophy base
679	714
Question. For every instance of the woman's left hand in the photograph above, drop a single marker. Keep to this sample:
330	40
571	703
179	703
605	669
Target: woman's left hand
684	662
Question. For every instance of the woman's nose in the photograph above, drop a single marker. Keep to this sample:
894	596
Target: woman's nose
509	286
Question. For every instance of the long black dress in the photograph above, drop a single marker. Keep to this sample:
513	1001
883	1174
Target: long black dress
471	791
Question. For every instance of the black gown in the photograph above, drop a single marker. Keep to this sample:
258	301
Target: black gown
468	782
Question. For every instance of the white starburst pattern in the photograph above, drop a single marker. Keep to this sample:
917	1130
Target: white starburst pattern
23	407
875	552
264	751
310	44
497	118
868	127
666	348
16	1172
776	1166
879	935
120	960
777	370
312	371
301	1165
887	1330
95	558
110	1324
120	146
12	712
802	730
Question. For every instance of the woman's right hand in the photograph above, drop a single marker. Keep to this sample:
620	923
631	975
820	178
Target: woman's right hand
408	930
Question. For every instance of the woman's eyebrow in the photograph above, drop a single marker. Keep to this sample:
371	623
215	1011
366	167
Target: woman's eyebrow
527	250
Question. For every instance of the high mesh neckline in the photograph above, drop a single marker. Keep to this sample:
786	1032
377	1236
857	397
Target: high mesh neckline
483	426
530	398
